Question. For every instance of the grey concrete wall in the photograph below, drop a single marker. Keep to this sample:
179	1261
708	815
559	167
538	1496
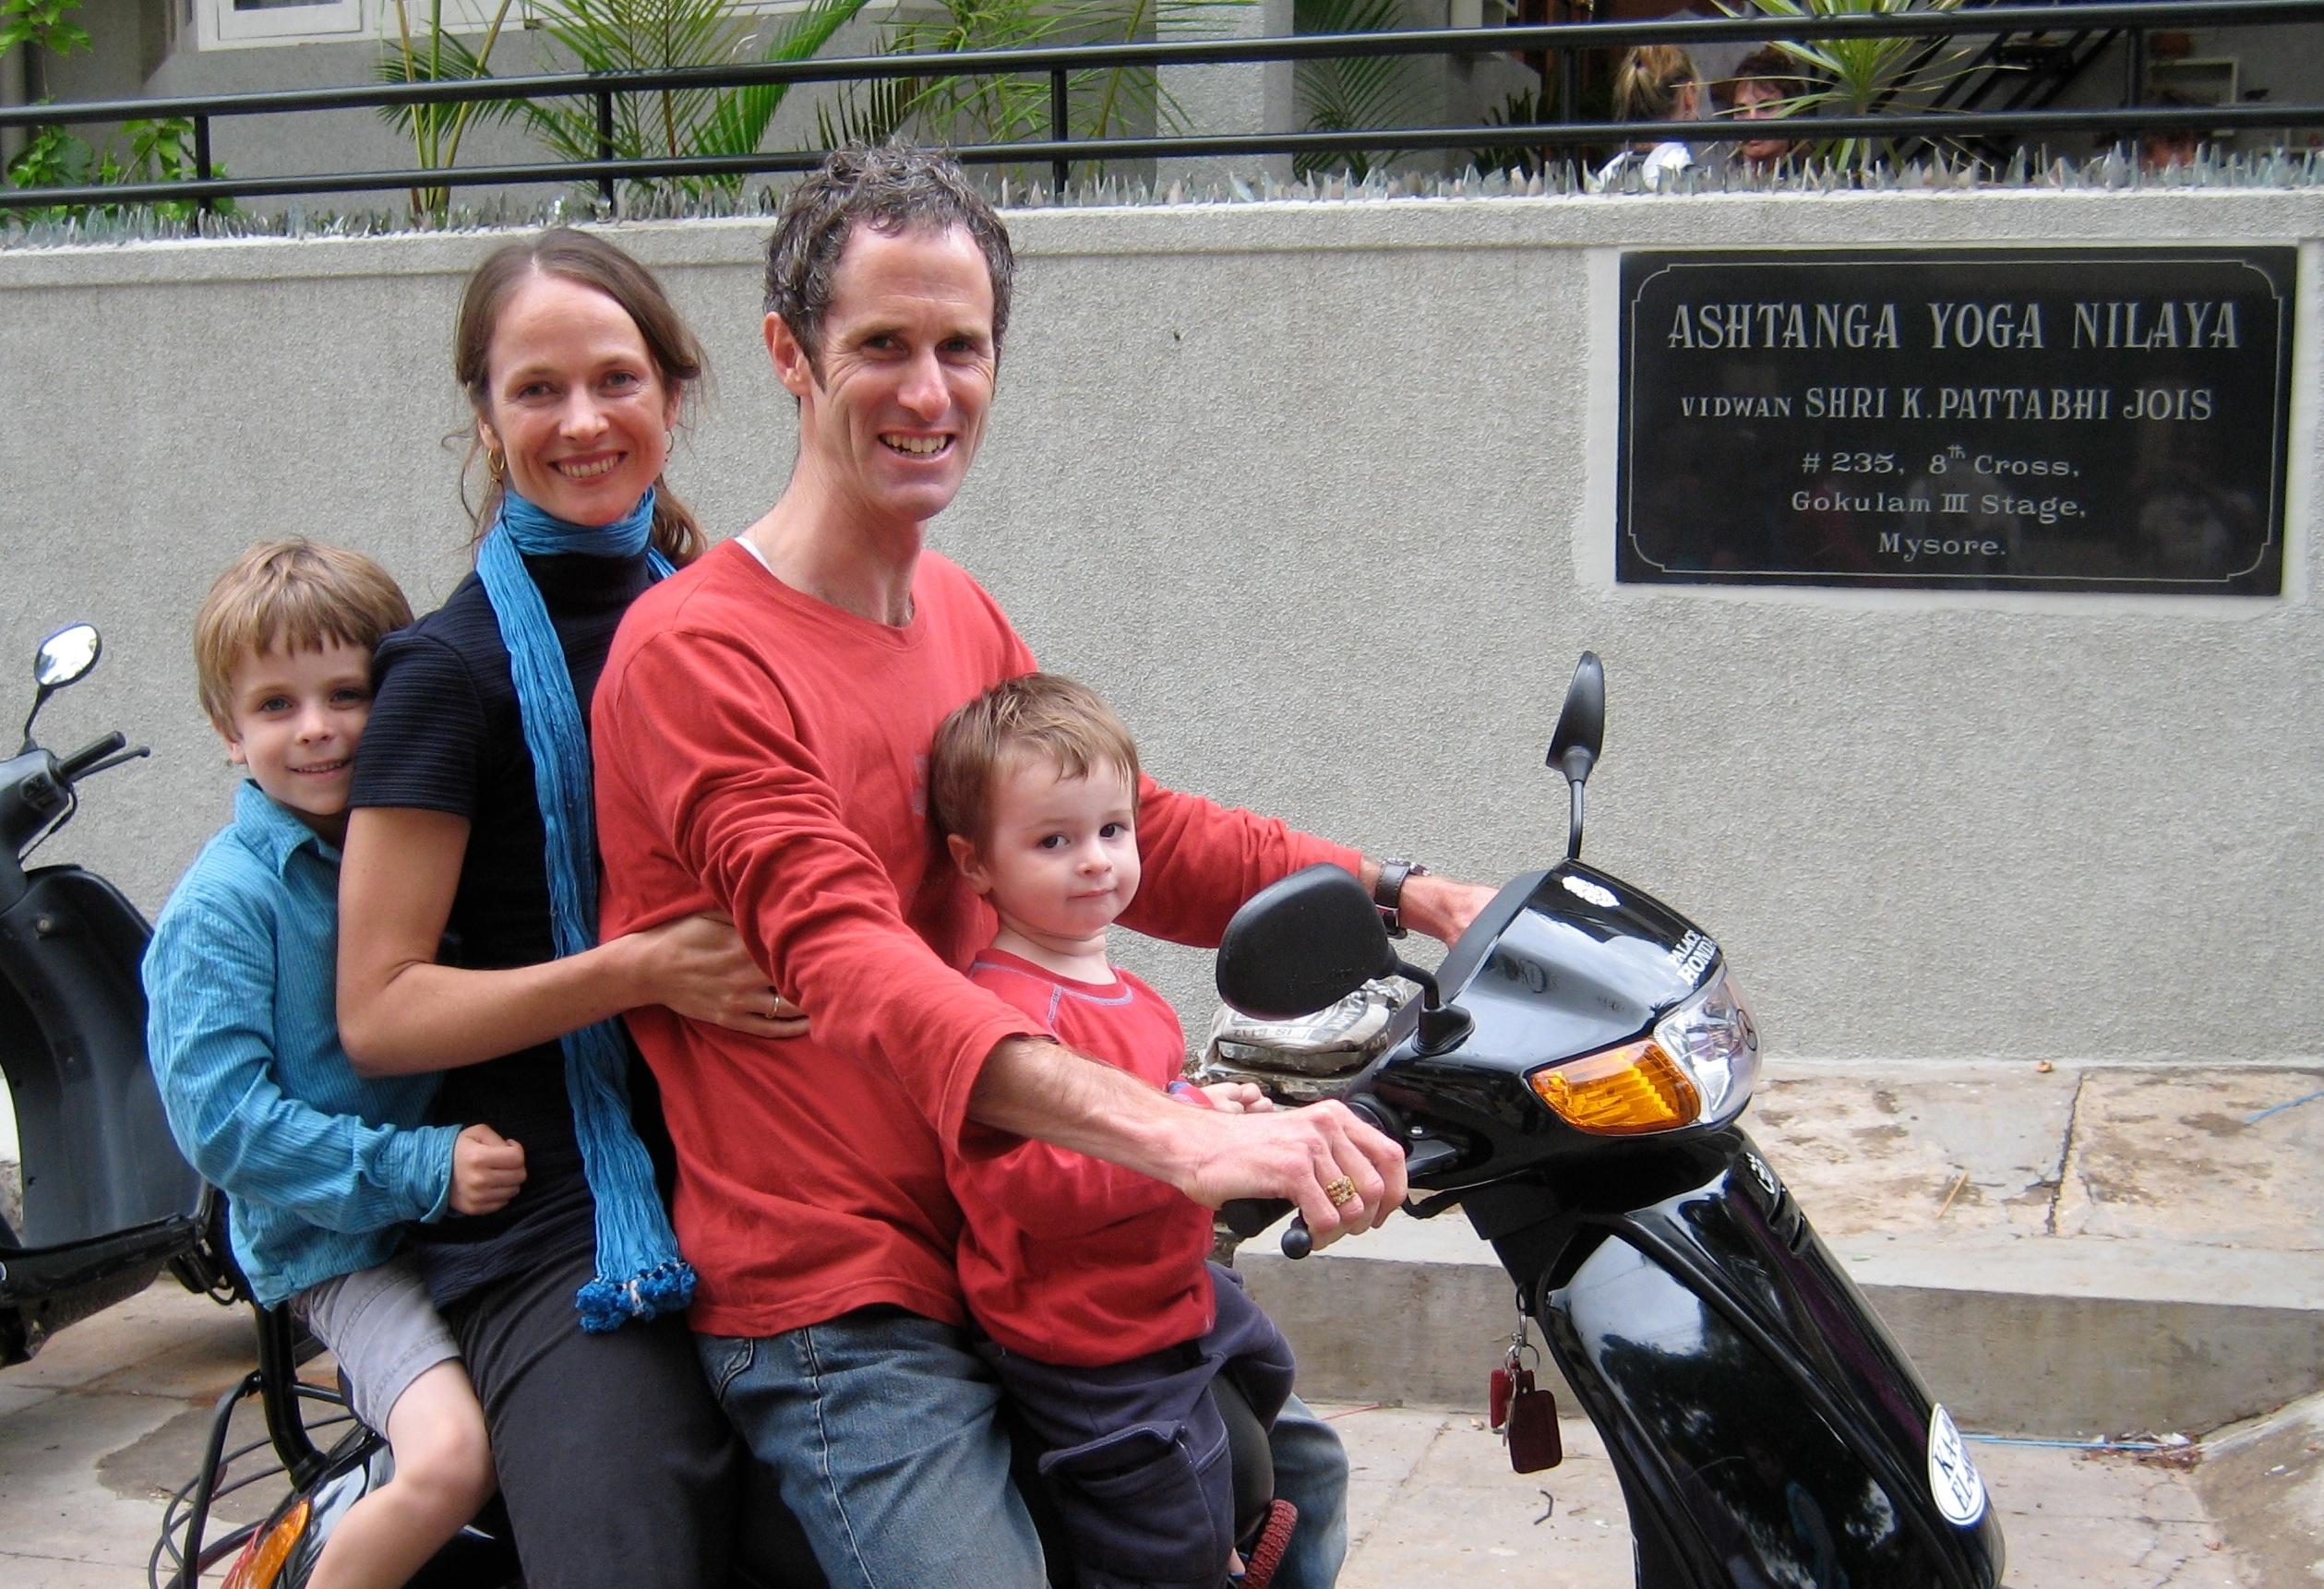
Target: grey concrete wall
1322	496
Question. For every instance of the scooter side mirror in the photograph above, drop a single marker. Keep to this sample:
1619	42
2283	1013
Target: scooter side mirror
66	655
1302	943
1579	735
62	658
1581	726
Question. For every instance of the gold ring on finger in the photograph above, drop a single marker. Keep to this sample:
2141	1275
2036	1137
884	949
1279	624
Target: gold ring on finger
1342	1191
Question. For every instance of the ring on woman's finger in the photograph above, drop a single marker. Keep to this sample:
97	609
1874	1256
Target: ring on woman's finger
1342	1191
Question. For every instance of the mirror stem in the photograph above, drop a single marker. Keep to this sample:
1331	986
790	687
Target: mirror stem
1573	828
39	696
1442	1024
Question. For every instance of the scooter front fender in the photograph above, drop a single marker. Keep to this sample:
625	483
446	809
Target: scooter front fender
1767	1429
97	1153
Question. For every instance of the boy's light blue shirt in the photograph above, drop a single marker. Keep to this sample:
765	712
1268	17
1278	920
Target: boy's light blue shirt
321	1166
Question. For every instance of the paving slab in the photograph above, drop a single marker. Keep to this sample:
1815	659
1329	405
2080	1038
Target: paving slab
50	1489
2265	1483
1962	1148
2219	1158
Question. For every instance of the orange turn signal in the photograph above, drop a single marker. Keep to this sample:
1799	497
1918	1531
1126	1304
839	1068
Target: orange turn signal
1620	1091
261	1561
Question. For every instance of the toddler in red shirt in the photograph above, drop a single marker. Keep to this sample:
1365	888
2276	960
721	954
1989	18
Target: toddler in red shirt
1091	1283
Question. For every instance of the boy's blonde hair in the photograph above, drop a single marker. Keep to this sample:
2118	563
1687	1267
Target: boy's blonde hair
1036	717
289	595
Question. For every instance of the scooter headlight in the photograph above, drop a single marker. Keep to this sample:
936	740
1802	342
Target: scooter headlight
1697	1067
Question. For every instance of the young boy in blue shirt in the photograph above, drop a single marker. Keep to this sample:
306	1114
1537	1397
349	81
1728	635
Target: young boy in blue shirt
321	1167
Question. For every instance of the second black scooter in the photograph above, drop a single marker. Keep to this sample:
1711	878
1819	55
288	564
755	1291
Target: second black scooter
107	1200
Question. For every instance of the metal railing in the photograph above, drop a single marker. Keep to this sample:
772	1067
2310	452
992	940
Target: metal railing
1567	41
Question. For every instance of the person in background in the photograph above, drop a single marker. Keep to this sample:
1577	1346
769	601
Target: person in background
1762	89
1656	83
2160	149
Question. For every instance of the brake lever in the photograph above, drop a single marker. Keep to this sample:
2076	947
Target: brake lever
116	758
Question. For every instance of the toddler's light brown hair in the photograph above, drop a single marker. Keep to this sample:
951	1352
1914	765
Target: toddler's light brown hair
1037	717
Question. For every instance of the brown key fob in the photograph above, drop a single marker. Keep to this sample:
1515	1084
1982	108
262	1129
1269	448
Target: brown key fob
1497	1393
1533	1438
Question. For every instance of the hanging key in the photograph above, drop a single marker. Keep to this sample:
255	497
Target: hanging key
1505	1380
1524	1413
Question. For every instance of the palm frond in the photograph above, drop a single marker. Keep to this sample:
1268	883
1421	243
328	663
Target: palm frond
740	121
1352	93
1858	76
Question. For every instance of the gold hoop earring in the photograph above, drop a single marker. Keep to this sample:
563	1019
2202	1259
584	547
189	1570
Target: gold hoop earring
494	466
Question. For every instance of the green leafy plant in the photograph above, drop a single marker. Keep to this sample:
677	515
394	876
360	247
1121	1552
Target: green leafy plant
1856	77
39	28
1351	93
652	35
42	25
159	150
436	55
958	108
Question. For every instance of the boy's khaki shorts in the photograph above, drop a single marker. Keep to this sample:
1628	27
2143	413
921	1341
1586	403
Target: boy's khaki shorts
381	1325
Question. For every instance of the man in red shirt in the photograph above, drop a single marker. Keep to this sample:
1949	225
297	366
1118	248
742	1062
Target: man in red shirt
762	730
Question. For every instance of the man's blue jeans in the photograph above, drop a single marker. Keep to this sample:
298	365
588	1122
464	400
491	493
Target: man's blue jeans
883	1428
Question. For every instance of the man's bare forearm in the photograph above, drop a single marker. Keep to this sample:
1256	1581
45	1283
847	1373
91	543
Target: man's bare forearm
1034	1088
1343	1174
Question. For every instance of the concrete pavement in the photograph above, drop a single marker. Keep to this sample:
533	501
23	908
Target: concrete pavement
95	1431
2063	1252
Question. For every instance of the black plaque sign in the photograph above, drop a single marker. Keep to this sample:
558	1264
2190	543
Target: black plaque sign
2060	419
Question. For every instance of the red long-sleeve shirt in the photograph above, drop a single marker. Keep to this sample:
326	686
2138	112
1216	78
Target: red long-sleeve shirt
1065	1257
764	754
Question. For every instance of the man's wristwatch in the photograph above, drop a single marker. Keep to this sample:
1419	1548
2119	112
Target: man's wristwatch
1387	891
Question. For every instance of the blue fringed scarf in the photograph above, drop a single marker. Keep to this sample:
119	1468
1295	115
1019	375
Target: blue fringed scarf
639	1273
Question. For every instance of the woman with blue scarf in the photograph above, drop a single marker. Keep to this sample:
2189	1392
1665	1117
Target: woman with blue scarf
468	932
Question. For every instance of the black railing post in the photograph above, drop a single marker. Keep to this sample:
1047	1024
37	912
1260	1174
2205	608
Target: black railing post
2134	67
1057	129
201	163
605	149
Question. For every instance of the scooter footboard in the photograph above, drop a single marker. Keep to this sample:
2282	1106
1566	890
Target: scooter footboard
1767	1427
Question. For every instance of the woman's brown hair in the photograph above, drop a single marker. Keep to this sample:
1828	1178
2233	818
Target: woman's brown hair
592	262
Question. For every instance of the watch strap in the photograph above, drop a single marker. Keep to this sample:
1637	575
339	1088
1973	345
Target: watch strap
1387	891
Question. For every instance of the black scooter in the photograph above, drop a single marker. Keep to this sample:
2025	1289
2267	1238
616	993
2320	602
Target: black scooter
1570	1078
108	1202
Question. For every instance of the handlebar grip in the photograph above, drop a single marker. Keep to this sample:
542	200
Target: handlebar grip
1247	1216
88	756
